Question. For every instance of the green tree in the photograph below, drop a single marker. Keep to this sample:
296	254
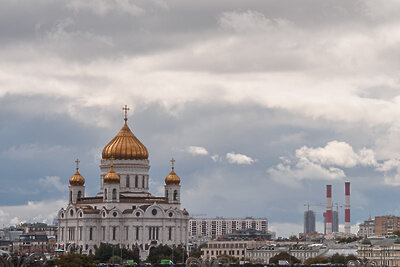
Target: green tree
351	257
117	259
164	252
293	238
337	259
284	256
105	251
316	260
196	253
75	260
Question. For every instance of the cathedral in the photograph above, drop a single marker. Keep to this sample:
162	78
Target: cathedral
124	213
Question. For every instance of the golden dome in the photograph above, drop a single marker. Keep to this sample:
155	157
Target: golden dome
185	212
111	177
77	179
125	145
172	178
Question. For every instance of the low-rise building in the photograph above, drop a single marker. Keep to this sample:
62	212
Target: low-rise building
384	252
5	246
264	254
29	243
40	228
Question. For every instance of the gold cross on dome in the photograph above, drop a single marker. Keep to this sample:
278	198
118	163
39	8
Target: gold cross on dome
125	108
77	163
172	161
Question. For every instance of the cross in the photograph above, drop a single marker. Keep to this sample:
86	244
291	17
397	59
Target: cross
77	164
172	161
125	108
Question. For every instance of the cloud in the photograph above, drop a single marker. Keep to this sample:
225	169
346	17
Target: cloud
30	151
53	182
338	154
103	7
197	150
236	158
33	211
215	158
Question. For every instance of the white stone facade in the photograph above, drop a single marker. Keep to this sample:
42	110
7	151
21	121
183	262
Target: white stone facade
123	214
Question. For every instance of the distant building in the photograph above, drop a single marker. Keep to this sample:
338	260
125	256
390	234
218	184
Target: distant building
29	243
335	221
383	252
221	226
386	225
309	221
40	228
367	228
10	234
264	254
249	234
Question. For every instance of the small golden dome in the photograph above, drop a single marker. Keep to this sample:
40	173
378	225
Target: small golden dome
77	179
185	212
125	145
111	177
172	178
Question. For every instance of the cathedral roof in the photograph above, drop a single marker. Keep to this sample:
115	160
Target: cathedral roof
172	178
185	212
125	145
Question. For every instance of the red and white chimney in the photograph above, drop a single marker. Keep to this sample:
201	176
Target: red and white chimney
347	224
328	209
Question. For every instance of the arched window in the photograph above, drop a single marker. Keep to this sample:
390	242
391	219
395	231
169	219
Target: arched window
70	196
79	195
175	195
127	181
136	181
105	194
114	194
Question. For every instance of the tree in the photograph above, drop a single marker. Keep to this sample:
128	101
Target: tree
164	252
351	257
283	256
105	251
75	260
316	260
293	238
337	259
196	253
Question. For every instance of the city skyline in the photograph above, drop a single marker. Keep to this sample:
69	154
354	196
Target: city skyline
261	104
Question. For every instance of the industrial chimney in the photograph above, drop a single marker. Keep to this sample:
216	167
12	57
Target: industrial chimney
329	209
347	208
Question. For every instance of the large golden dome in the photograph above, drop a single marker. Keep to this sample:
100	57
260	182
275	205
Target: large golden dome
76	179
125	145
111	177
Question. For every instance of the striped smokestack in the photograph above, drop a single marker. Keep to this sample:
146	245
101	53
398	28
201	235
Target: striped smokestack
347	208
329	209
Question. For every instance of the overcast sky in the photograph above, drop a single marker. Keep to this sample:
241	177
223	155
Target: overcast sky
261	103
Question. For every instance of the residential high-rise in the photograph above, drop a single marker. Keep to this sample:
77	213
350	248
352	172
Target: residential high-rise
221	226
385	225
309	221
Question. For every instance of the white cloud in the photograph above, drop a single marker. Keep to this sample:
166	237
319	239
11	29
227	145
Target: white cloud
338	154
215	158
197	150
40	211
236	158
53	182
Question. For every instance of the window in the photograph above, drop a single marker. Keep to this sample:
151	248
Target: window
166	194
70	196
105	194
80	233
169	233
136	181
143	185
104	232
126	232
114	230
91	233
127	181
154	212
137	233
175	195
114	194
79	195
62	234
